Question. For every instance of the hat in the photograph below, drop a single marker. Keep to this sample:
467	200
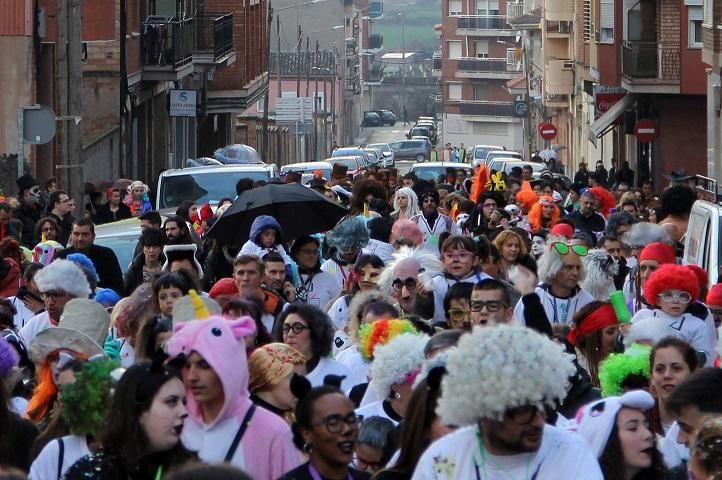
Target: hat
714	296
107	297
224	286
339	171
597	419
63	275
562	230
699	272
269	364
183	251
658	251
184	310
25	182
670	277
82	328
679	175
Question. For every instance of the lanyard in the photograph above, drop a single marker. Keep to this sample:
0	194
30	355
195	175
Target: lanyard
317	476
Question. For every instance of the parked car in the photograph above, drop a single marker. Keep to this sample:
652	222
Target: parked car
426	119
502	154
386	151
353	151
418	150
374	156
122	237
307	170
422	131
702	242
506	164
432	170
207	184
432	129
372	119
387	117
479	153
355	163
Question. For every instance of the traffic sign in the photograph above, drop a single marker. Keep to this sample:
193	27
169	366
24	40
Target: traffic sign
645	130
521	109
547	131
38	124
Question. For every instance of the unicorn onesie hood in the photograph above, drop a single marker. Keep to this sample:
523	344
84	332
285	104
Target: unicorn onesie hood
265	450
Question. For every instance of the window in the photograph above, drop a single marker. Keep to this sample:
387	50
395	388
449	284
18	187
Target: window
481	48
454	7
454	49
708	13
487	7
606	21
454	91
480	91
695	16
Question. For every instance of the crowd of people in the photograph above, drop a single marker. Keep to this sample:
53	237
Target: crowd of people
485	327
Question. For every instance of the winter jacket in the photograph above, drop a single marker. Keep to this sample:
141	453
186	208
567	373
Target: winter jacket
103	214
106	264
134	276
29	215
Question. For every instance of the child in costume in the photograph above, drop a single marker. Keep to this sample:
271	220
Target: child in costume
266	236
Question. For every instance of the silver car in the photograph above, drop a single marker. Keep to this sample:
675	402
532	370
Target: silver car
386	151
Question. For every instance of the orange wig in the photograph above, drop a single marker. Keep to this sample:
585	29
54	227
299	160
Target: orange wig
527	198
535	214
480	182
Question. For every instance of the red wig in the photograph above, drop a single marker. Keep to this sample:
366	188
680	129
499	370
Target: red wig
606	200
701	275
671	277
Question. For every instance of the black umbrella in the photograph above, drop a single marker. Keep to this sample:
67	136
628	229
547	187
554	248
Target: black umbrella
298	209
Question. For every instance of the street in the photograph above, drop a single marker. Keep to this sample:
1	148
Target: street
388	134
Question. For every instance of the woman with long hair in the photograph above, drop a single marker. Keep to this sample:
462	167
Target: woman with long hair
316	286
594	336
617	429
511	247
544	214
141	436
406	204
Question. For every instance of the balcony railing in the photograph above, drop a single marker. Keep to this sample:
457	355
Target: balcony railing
484	65
514	10
165	42
214	35
436	61
483	107
376	41
649	60
482	22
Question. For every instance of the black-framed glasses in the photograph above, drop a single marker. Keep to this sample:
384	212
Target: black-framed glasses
296	327
334	423
563	248
409	283
524	415
491	305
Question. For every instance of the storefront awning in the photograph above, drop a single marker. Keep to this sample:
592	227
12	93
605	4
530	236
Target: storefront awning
604	123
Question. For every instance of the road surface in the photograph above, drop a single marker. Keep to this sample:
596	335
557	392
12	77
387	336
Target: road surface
389	134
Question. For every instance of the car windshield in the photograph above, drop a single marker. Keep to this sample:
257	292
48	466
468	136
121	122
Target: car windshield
340	152
123	245
381	146
204	187
481	153
536	167
349	162
420	131
432	173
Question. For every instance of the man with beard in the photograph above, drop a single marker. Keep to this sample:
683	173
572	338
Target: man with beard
586	218
276	277
408	278
30	210
500	383
432	223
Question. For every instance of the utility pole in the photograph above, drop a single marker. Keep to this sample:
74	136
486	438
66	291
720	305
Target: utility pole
528	97
315	109
308	63
298	63
266	143
333	102
278	56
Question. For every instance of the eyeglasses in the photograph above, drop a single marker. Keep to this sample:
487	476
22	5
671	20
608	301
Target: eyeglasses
523	415
53	294
457	256
363	465
296	327
490	205
308	251
334	423
409	283
458	313
678	295
563	249
491	305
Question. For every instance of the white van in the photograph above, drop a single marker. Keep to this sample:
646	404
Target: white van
703	241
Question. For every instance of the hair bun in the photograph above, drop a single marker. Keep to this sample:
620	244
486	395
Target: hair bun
300	386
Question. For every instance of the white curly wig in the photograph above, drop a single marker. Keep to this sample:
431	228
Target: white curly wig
551	262
643	233
395	361
497	368
63	275
431	266
601	269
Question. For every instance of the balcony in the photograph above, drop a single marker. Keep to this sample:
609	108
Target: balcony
485	68
559	10
376	9
436	64
375	73
376	42
648	67
166	47
213	43
486	108
483	25
514	10
559	77
555	29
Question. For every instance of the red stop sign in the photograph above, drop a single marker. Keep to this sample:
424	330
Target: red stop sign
645	130
547	131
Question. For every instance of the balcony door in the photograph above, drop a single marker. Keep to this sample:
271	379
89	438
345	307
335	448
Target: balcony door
640	21
180	9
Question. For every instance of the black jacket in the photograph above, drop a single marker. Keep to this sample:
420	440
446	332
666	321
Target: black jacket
103	214
591	224
21	434
29	215
134	276
66	226
106	264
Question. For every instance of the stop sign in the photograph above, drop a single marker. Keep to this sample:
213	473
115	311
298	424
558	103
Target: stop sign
547	131
645	130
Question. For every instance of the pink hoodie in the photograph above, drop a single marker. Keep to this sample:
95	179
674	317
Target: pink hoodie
266	450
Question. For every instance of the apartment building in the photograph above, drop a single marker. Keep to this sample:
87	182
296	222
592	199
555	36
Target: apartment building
712	56
134	55
479	55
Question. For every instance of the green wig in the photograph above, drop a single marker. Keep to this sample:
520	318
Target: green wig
86	402
619	367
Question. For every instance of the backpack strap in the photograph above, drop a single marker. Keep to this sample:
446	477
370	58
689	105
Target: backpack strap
61	457
239	434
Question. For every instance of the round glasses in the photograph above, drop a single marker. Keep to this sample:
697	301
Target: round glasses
297	328
409	283
491	305
523	415
563	248
334	423
675	295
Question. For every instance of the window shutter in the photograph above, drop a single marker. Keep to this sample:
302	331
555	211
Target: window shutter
606	14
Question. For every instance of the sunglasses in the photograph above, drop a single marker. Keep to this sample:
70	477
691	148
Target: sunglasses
563	249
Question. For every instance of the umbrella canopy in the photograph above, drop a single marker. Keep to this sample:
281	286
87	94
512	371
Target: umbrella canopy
237	153
298	209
